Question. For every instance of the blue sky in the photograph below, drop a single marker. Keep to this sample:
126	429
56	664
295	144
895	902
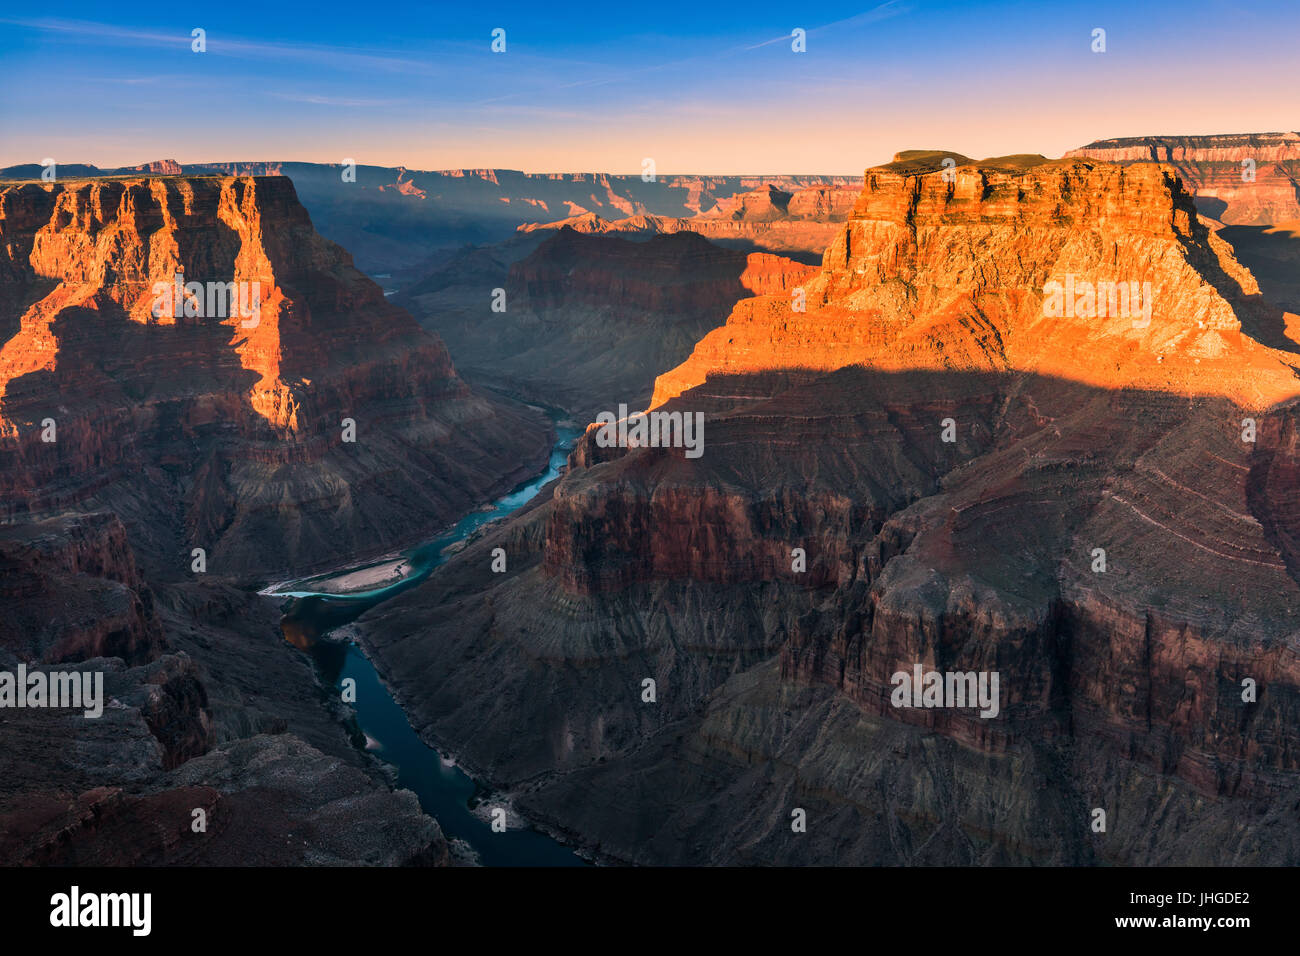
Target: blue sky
703	88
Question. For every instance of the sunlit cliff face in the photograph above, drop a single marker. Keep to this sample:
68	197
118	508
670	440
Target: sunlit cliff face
1011	266
110	246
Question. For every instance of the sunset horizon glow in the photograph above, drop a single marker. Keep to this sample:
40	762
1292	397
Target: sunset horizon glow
702	92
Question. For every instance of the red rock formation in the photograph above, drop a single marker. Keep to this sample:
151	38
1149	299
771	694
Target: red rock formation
173	432
932	274
161	167
823	203
787	237
231	423
757	205
770	219
780	236
1229	148
949	276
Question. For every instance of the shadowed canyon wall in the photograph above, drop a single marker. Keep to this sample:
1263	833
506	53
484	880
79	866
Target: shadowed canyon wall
585	322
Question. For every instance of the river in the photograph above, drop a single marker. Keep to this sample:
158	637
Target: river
446	793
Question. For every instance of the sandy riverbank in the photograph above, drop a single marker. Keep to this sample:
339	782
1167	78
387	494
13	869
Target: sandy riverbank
352	582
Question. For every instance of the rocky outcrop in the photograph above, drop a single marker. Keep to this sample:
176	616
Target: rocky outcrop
1238	179
757	205
265	801
322	424
798	222
823	203
1227	148
954	275
72	591
773	231
931	465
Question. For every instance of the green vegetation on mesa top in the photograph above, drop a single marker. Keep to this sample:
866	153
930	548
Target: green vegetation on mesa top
914	162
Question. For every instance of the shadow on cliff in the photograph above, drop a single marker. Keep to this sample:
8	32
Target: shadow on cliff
1039	451
1262	316
969	554
591	319
1272	253
118	386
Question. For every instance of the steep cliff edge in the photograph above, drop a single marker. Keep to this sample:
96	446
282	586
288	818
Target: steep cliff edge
206	716
938	463
206	422
934	274
72	591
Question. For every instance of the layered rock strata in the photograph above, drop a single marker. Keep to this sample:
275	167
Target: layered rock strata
1243	179
932	465
393	218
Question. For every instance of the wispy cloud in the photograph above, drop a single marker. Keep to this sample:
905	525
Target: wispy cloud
892	8
218	44
171	78
317	99
325	55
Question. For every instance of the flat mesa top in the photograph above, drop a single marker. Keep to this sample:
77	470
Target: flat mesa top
920	161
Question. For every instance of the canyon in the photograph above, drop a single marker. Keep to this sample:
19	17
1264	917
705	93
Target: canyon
922	468
1245	185
798	224
212	434
156	467
912	462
